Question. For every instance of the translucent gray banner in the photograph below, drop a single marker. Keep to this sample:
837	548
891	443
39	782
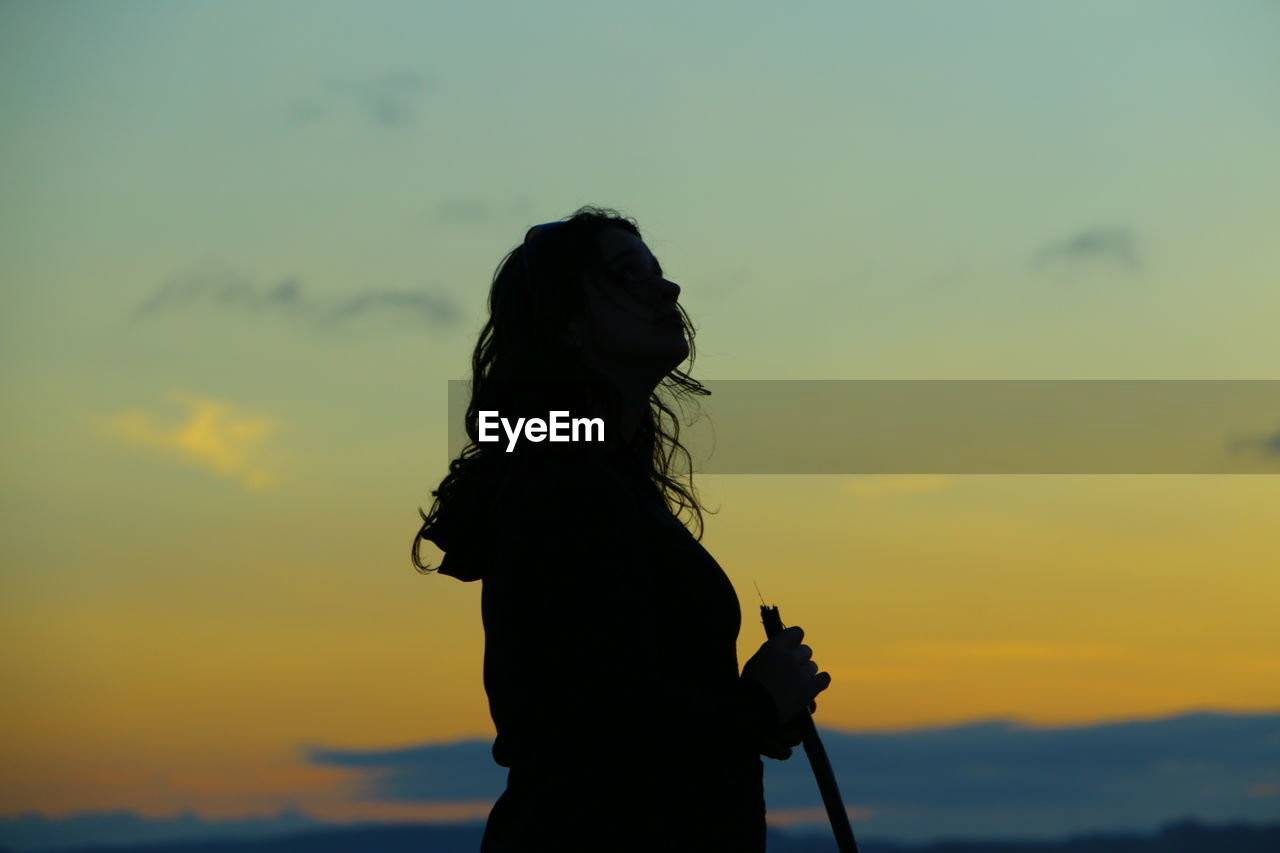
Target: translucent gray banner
881	426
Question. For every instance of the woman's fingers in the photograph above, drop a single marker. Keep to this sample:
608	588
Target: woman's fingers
817	681
785	665
817	684
823	680
790	636
820	682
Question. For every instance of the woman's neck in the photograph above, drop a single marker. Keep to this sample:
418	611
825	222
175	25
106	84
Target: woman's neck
635	403
633	392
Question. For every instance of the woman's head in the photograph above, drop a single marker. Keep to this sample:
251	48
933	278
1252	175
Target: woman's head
631	327
584	292
576	312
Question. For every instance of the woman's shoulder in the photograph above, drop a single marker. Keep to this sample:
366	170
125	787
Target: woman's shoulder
548	514
514	497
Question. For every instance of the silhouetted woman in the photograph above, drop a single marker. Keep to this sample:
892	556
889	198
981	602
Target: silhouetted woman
610	633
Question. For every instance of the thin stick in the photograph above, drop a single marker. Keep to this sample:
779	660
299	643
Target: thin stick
817	754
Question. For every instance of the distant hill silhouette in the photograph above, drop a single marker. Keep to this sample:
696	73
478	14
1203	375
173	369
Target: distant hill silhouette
1185	836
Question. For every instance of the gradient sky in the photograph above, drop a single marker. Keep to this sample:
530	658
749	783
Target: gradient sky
244	246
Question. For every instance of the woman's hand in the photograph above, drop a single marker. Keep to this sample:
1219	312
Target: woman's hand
786	668
778	744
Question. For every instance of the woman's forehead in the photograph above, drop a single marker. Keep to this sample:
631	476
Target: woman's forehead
616	243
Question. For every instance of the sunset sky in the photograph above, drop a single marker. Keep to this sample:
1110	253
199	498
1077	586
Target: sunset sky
244	246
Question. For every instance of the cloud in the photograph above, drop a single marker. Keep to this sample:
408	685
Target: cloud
1005	778
432	307
458	770
391	100
210	436
222	288
997	778
1113	248
217	285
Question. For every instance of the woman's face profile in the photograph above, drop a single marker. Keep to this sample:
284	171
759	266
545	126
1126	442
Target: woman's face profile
632	324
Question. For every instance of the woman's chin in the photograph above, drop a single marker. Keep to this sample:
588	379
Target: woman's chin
676	354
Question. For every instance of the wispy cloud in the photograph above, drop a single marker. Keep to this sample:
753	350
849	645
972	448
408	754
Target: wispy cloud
222	287
218	287
390	101
211	435
456	770
1108	247
432	307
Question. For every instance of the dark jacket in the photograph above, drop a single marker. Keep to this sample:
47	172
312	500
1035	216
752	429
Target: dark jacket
611	668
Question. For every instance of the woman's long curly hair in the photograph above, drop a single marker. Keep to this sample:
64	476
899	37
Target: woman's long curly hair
522	364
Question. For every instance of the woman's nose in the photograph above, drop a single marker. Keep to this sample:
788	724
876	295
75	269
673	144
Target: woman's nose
669	291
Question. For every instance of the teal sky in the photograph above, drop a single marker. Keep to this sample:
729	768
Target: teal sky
243	246
855	191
